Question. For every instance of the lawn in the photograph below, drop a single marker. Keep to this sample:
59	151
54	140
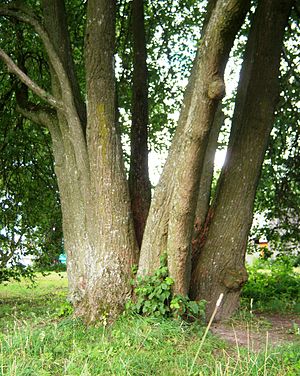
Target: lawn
40	337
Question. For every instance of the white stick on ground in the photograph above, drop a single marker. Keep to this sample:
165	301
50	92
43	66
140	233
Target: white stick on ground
206	331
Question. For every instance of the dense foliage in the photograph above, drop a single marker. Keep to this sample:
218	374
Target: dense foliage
172	29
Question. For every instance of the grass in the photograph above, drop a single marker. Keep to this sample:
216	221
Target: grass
34	340
25	302
273	286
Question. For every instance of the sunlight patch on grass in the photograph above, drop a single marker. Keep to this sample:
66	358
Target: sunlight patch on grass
43	284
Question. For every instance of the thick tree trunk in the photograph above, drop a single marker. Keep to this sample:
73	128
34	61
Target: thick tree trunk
139	183
113	246
175	210
98	231
220	266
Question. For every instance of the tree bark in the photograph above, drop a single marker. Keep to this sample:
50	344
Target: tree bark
98	229
139	183
113	249
202	214
175	210
220	266
55	19
69	149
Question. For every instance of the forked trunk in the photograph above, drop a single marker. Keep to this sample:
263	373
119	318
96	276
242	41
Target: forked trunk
99	237
98	231
220	265
171	218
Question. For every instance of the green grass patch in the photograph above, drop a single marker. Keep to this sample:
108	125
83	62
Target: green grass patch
44	284
27	302
273	285
34	340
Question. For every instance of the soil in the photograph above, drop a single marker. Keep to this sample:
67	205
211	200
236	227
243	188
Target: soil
260	331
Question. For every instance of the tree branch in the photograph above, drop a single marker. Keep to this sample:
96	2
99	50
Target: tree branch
24	14
38	115
12	67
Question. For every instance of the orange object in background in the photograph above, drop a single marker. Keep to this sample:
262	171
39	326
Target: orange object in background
264	244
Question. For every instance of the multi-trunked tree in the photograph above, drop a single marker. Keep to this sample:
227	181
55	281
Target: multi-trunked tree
105	224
